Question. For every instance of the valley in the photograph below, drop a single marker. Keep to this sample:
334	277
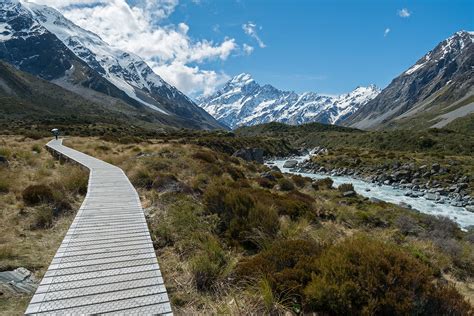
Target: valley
223	194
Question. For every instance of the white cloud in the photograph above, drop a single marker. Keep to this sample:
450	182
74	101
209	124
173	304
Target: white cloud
404	13
138	28
385	33
247	49
250	29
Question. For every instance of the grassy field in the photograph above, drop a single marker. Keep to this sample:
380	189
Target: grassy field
234	237
38	200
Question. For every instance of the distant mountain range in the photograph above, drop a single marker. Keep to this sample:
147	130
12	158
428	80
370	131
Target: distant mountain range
432	93
39	40
105	82
242	101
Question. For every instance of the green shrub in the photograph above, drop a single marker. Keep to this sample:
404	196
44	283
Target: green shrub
206	156
208	265
38	193
285	184
324	183
287	266
299	180
142	178
36	148
43	218
366	276
265	183
4	185
241	216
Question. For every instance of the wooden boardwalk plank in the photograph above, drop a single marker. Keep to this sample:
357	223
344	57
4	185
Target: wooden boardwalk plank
106	262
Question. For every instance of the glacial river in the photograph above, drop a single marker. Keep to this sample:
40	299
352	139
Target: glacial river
392	195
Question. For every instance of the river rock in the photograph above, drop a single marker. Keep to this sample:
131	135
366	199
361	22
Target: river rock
431	196
405	205
349	193
375	200
470	208
17	281
290	164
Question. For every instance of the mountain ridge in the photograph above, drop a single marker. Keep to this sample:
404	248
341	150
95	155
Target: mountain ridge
242	101
437	89
39	40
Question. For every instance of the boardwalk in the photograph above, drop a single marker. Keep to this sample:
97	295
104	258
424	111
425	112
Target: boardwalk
106	263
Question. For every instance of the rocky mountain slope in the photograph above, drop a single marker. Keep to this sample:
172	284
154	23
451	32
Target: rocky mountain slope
242	101
438	89
39	40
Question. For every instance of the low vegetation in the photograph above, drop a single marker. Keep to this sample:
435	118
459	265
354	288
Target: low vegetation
235	237
38	199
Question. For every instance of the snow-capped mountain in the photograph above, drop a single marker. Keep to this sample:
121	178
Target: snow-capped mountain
242	101
39	40
431	93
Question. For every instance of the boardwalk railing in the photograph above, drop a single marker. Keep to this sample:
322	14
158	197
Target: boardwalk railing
106	263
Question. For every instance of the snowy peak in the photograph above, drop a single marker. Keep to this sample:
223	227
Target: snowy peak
433	87
445	51
40	40
242	101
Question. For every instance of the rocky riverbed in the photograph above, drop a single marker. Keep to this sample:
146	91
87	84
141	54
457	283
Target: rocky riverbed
409	185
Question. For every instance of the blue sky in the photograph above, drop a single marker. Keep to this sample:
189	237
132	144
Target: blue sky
326	46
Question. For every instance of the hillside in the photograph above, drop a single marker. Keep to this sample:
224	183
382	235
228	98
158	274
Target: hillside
39	40
435	91
30	103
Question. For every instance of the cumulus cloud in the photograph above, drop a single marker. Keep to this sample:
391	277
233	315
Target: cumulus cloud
250	29
140	29
385	33
404	13
247	49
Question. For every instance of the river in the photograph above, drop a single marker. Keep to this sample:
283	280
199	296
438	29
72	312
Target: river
390	194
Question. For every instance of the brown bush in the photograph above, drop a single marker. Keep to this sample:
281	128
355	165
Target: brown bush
265	183
287	265
346	187
366	276
38	193
285	184
43	218
206	156
299	180
324	183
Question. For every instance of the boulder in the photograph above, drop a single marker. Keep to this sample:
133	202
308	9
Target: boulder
349	193
290	164
405	205
470	208
250	154
435	167
431	196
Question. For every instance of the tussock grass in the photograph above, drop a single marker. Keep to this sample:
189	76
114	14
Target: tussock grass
36	196
228	244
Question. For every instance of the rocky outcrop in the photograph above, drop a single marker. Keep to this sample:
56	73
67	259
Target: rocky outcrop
250	154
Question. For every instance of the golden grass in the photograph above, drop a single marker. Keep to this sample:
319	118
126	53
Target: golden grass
339	218
20	244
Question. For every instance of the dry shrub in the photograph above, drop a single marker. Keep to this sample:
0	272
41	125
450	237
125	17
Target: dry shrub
367	276
300	181
265	183
43	218
346	187
241	214
325	183
38	193
287	266
286	185
206	156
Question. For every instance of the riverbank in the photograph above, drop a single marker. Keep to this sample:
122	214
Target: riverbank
422	198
